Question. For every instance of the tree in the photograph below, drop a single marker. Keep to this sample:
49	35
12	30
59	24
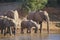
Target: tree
52	3
33	4
7	0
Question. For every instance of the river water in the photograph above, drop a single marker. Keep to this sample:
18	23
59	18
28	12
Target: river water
43	36
52	35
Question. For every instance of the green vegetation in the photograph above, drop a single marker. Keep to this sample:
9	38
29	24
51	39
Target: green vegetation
33	4
30	5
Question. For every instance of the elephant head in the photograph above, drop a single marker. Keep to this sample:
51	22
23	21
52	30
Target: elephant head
39	17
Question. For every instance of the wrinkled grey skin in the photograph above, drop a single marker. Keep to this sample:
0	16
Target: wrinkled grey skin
28	25
9	14
39	17
2	27
7	24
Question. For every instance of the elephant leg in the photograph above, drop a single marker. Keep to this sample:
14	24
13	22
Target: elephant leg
22	30
9	30
47	19
47	27
40	27
35	29
5	31
28	30
1	30
13	30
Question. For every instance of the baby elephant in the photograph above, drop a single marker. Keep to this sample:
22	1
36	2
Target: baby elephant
28	24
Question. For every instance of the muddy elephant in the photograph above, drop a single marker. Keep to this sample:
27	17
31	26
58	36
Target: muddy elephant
28	24
39	17
7	26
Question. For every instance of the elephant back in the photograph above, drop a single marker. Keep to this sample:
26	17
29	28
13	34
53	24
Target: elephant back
8	22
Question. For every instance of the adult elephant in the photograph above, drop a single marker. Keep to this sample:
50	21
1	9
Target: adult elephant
39	17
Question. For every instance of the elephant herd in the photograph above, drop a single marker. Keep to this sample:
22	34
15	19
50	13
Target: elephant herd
8	26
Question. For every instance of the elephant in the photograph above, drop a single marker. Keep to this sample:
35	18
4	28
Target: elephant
2	27
7	26
28	24
10	25
39	16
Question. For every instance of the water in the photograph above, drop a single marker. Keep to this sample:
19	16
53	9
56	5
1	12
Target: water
34	37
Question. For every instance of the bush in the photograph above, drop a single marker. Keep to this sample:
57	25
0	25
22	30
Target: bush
33	4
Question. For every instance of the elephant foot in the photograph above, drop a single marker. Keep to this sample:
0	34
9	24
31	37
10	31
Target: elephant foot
40	30
22	32
10	34
28	31
1	32
13	32
35	32
4	34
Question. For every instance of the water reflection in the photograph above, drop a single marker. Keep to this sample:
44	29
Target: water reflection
34	37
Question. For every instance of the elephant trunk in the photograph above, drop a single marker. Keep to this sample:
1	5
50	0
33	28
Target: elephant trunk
48	24
47	19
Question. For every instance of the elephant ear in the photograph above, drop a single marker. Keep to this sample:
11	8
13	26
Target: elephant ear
9	14
46	16
45	13
39	15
